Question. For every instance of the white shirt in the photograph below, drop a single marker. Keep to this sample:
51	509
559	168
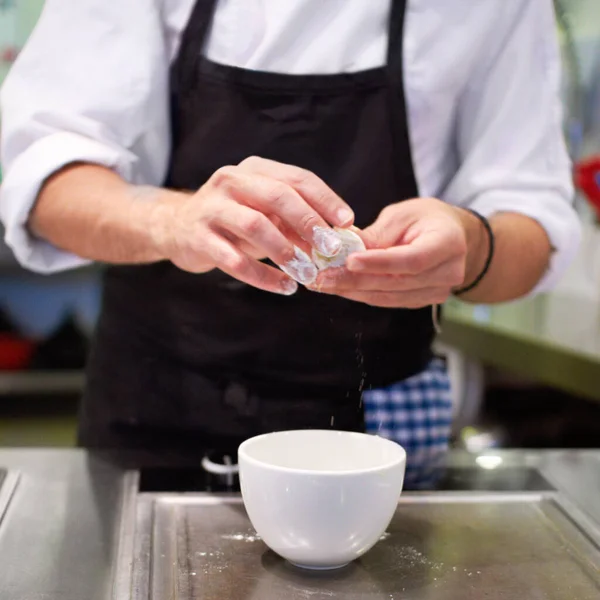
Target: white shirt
481	78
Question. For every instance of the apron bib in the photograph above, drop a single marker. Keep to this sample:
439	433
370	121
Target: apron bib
208	357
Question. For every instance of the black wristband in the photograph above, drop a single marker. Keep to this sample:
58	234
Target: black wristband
490	256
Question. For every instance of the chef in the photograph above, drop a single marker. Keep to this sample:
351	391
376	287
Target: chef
203	150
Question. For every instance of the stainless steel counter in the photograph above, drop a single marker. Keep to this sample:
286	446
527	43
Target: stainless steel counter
75	528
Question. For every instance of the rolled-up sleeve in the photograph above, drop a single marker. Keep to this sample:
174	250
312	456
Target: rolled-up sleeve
91	85
512	153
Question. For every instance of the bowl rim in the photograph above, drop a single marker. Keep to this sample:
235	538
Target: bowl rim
244	446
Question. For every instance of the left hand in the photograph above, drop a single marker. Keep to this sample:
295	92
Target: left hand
416	254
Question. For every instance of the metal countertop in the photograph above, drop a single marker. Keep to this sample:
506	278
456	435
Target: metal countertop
67	529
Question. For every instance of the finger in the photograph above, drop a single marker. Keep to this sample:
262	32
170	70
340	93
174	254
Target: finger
244	246
254	229
257	230
290	234
247	247
313	189
235	263
412	300
449	274
424	253
270	196
276	221
294	238
389	229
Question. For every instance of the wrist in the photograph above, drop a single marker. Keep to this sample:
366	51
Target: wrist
159	214
478	246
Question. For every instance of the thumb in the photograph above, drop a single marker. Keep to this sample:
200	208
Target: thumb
384	232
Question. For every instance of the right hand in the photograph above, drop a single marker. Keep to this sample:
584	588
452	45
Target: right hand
258	209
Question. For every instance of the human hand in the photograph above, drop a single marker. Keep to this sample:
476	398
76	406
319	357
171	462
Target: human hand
416	254
258	209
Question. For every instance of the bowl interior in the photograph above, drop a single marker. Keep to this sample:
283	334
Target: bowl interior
322	451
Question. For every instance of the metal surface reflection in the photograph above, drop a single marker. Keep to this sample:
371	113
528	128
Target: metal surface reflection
8	484
77	526
442	546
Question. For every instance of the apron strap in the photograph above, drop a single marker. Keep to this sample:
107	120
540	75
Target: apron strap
396	36
191	44
194	37
395	68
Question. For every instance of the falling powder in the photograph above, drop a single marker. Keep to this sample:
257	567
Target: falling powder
360	359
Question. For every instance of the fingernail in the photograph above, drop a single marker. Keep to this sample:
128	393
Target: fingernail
300	268
289	287
344	216
327	241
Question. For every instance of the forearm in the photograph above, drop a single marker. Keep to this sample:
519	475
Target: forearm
521	257
92	212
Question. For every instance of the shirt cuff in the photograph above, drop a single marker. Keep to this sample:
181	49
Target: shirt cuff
22	184
554	213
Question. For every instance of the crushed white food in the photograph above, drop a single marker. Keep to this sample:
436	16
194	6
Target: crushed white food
351	243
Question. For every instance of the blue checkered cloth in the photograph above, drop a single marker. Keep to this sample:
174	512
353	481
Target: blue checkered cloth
416	413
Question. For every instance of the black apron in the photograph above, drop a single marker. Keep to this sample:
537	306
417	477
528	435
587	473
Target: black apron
204	361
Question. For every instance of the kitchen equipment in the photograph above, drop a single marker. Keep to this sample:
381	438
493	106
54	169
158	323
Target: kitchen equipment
320	499
444	546
504	526
217	473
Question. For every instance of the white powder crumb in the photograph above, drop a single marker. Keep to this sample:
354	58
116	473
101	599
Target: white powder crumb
300	268
351	243
328	241
242	537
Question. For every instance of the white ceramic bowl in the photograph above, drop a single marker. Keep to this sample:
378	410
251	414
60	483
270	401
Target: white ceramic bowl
320	499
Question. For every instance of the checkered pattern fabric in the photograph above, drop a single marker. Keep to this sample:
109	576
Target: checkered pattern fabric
416	413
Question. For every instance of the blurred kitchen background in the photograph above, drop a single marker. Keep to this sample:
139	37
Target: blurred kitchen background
525	374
